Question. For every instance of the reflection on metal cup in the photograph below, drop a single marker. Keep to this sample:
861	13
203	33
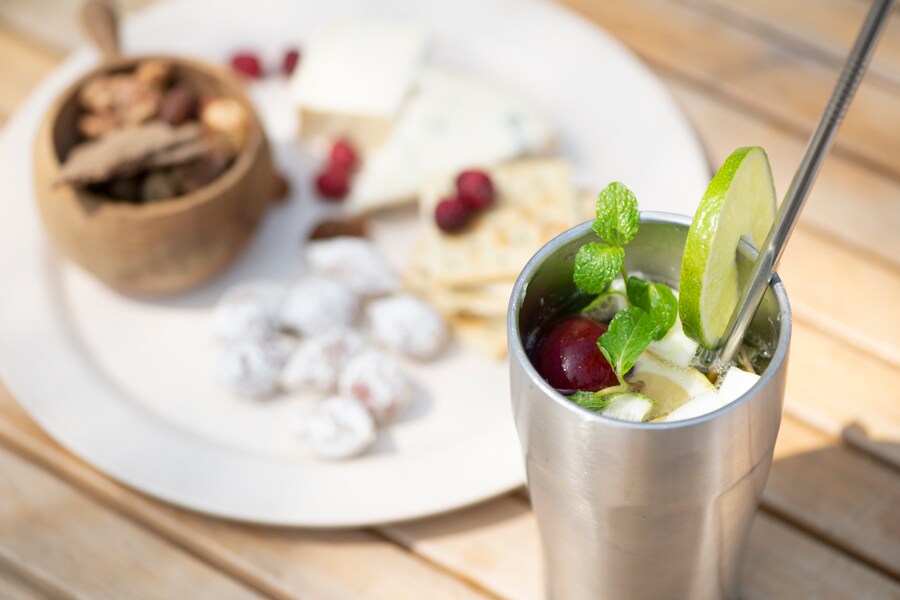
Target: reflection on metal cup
641	510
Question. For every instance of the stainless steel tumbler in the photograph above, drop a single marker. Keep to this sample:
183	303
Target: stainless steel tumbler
639	511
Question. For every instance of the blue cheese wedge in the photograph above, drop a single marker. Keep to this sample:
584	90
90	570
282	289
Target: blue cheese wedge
355	78
450	122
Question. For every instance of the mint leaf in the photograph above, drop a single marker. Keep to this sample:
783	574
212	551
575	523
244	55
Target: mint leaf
617	215
590	400
596	265
629	334
656	299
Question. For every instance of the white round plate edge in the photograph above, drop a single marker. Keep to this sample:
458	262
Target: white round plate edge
23	124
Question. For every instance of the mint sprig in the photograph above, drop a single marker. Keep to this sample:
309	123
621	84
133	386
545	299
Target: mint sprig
597	264
652	308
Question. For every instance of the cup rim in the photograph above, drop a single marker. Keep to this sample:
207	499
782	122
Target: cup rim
517	348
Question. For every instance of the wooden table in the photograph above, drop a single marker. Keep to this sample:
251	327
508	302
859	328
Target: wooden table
754	72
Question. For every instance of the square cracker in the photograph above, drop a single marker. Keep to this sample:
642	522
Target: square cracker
486	336
535	201
488	300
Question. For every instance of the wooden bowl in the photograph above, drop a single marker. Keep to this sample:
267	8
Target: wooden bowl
163	246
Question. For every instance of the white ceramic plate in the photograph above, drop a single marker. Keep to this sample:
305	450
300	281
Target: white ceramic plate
127	384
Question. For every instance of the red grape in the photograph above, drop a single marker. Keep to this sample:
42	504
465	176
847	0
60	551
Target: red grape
568	357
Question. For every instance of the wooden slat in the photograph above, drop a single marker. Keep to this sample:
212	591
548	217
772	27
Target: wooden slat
280	563
13	586
48	526
54	24
850	204
752	72
840	293
22	66
783	563
496	544
843	392
822	29
838	495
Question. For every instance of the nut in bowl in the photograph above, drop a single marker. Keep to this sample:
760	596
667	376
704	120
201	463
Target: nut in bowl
153	200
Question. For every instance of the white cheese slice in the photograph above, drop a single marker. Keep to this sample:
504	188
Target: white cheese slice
451	122
355	77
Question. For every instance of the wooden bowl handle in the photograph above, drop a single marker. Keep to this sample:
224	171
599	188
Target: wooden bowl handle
102	24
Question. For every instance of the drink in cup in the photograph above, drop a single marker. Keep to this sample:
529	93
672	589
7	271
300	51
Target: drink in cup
644	475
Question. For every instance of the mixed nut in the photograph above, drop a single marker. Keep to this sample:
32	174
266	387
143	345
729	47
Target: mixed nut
147	135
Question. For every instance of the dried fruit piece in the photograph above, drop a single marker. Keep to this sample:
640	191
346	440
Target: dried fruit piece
126	188
158	185
290	61
451	215
475	189
124	97
123	151
281	189
343	155
178	105
197	173
355	227
92	125
154	72
333	183
229	118
247	63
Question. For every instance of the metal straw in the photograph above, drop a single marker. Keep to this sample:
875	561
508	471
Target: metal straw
789	212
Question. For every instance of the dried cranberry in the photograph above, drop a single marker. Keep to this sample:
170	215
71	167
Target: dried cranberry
333	183
451	215
343	155
568	357
475	189
247	63
289	63
178	105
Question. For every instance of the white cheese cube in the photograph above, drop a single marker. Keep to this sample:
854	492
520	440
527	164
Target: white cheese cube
354	79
